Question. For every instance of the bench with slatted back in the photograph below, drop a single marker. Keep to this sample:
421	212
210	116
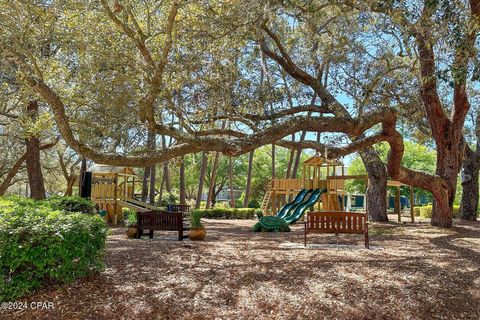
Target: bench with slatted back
337	222
160	220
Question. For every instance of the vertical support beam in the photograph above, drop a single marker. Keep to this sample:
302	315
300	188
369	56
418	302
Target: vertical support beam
412	204
273	203
133	188
398	208
115	196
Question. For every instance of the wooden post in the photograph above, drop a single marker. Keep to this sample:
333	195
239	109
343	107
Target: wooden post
125	179
412	203
133	188
398	207
115	195
273	202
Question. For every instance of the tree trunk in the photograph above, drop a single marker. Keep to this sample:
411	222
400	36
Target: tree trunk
213	176
34	168
273	161
166	174
201	179
449	160
290	161
298	156
152	145
377	185
146	176
471	166
469	203
182	181
249	179
11	173
153	176
81	176
70	183
230	182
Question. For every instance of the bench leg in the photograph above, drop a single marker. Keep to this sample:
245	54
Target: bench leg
305	239
150	235
180	235
139	233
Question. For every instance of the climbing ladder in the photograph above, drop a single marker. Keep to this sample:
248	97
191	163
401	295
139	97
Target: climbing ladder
266	201
266	197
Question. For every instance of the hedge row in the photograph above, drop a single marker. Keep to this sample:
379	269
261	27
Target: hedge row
228	213
40	245
426	211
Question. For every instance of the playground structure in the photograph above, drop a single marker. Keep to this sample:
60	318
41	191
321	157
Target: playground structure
113	188
329	178
317	174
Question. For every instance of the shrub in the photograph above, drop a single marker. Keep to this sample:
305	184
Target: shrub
271	224
254	203
416	211
426	211
227	213
195	219
259	213
168	198
456	211
71	204
39	245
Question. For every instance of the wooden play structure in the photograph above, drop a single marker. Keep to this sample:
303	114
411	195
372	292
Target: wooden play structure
113	188
319	173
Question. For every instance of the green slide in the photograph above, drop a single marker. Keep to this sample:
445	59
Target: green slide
302	208
298	199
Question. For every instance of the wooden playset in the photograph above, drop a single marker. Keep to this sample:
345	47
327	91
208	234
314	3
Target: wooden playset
113	189
317	173
320	173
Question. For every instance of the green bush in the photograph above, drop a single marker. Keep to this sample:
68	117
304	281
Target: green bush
456	211
271	224
39	245
416	211
426	211
168	198
254	203
71	204
228	213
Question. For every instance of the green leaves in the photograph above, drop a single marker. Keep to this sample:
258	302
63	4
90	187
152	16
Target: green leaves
39	244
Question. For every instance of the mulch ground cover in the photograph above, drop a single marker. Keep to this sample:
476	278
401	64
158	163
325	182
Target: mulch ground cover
414	272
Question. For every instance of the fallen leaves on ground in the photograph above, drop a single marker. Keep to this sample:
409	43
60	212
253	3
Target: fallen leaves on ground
421	273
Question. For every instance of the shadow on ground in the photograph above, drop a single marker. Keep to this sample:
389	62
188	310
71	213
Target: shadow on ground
421	273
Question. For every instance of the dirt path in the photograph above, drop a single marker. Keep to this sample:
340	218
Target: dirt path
418	272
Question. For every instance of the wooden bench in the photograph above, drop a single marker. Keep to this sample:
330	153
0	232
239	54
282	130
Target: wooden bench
160	220
185	208
337	222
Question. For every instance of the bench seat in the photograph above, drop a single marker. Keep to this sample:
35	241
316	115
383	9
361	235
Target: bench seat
337	222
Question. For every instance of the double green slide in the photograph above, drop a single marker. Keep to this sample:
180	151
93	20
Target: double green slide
304	200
